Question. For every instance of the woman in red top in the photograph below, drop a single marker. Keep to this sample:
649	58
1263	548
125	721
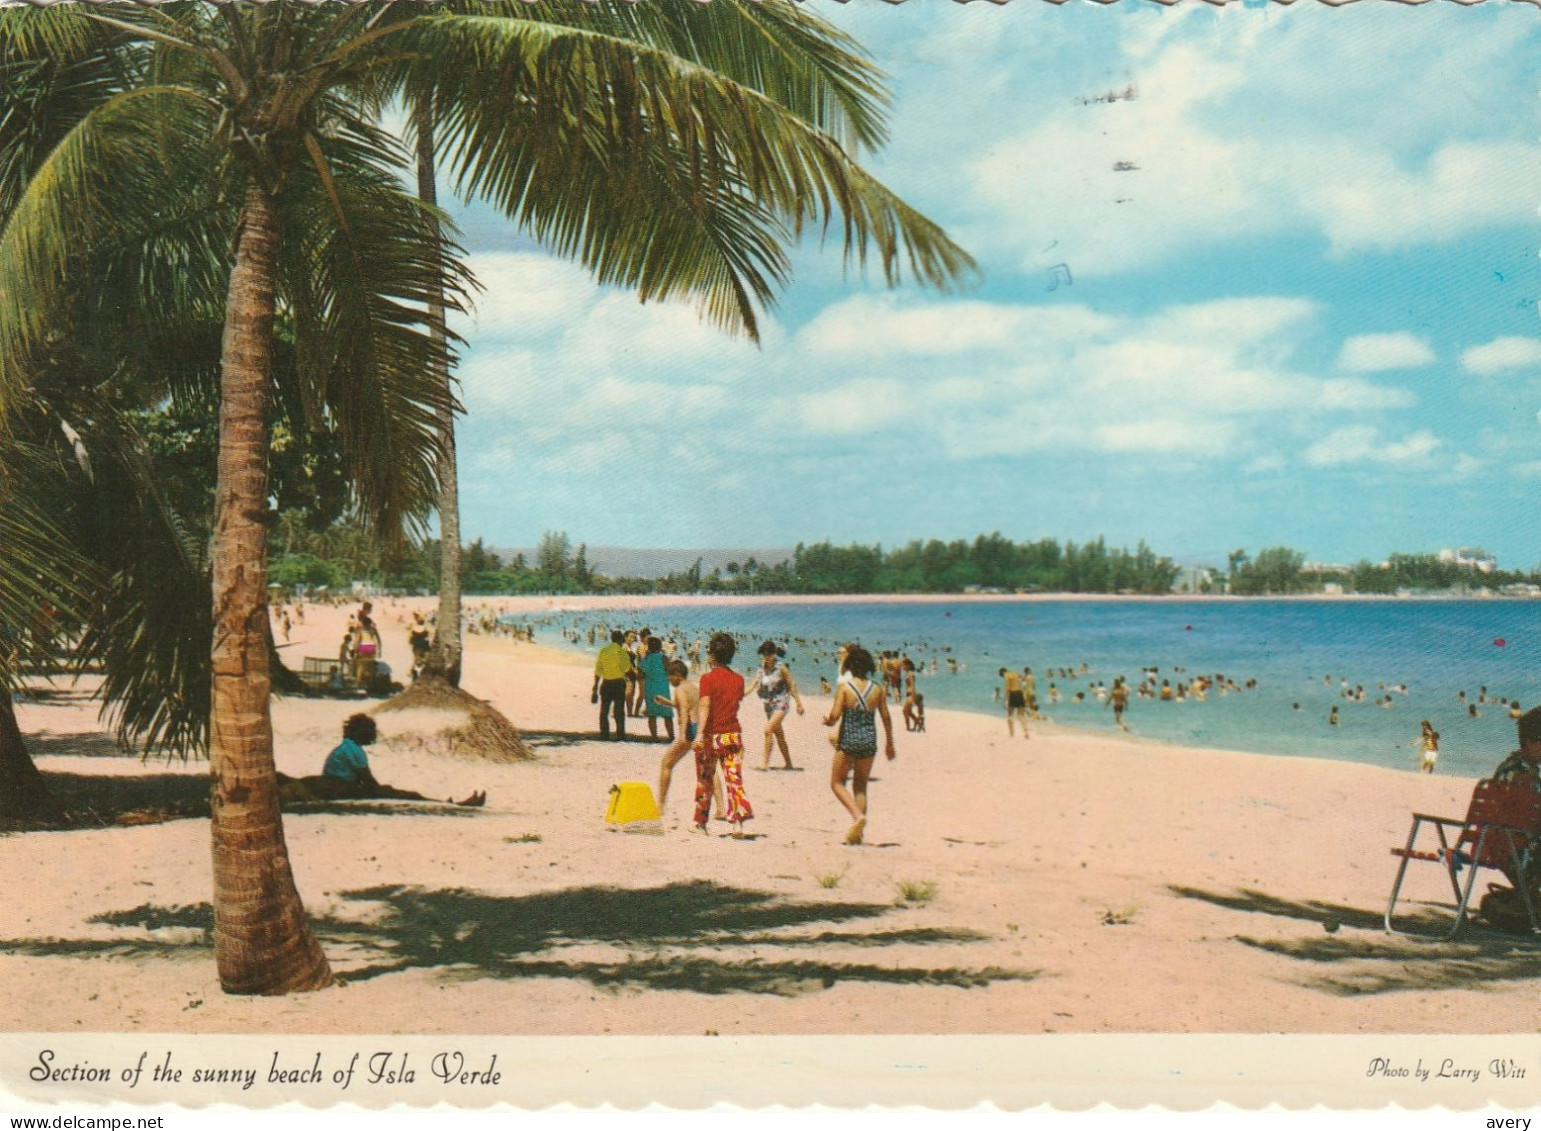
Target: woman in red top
721	738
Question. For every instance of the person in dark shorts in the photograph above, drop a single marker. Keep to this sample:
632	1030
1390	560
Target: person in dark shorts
1016	702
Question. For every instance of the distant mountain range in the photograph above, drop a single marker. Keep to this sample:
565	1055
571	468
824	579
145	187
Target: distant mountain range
632	561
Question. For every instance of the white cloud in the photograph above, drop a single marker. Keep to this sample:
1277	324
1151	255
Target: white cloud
1241	135
1169	435
1264	464
1369	353
525	294
1361	443
860	407
876	325
1203	380
1501	354
1350	393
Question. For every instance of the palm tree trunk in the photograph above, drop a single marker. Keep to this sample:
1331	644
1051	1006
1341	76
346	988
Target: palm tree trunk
24	799
444	660
263	943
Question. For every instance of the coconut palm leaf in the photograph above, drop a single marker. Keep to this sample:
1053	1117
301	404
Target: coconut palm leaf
357	289
97	188
578	135
44	580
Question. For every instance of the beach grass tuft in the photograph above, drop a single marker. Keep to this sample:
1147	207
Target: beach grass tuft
916	891
1120	916
523	838
831	879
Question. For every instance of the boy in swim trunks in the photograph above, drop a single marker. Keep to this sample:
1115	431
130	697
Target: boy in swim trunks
721	737
685	702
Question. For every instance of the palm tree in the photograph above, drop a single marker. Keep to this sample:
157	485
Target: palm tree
579	133
717	233
322	228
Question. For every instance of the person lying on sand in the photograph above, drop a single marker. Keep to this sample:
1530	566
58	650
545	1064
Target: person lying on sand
346	775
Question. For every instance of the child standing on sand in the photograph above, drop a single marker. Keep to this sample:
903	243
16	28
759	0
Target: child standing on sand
859	702
685	701
721	741
1428	748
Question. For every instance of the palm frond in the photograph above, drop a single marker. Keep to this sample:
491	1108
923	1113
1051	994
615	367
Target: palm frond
151	627
102	179
518	95
45	582
776	47
360	264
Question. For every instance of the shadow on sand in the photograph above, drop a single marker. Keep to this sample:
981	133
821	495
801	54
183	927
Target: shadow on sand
89	744
1375	962
680	936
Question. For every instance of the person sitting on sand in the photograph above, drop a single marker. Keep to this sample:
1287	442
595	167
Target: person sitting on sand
858	704
346	775
420	641
721	737
1505	907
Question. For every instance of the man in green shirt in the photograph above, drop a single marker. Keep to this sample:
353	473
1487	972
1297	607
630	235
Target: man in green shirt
609	690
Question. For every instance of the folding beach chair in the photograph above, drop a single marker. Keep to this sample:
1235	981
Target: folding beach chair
1501	830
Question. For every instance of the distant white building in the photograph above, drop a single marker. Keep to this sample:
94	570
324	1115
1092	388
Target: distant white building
1470	557
1193	579
1326	567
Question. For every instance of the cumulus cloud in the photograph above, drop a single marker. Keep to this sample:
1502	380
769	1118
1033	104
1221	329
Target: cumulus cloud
1369	353
1231	137
1190	379
1362	443
525	294
1502	354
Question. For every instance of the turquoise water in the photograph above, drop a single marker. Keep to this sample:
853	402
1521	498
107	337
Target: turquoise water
1437	648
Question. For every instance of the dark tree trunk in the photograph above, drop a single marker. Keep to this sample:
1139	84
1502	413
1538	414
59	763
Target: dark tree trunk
24	799
444	658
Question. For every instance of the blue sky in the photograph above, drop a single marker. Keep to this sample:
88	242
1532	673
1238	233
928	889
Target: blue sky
1308	316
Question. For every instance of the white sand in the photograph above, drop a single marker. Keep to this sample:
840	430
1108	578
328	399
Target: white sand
1082	884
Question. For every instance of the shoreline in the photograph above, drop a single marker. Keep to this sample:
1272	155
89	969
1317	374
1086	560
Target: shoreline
1065	718
589	602
1044	864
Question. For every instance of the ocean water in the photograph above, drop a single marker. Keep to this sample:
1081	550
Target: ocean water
1298	651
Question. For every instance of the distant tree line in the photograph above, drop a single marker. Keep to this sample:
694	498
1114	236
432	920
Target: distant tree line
342	553
1280	570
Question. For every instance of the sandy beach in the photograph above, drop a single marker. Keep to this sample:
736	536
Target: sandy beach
1077	884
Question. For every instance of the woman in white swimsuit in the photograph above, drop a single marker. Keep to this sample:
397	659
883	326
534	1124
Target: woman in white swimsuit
777	693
